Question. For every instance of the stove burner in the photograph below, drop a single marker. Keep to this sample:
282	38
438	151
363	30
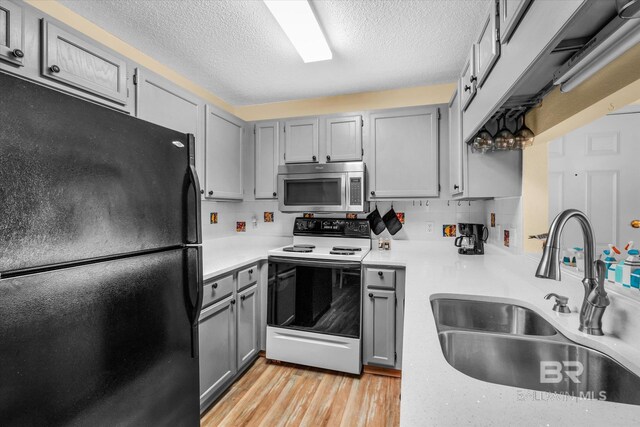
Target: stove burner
347	248
297	249
341	252
305	246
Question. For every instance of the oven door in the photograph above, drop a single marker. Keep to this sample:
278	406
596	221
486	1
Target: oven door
315	296
322	192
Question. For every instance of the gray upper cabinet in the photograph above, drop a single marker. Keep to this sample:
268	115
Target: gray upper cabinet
487	44
71	60
11	32
223	157
162	102
248	326
407	137
468	79
343	138
217	341
266	159
301	140
511	11
380	327
456	184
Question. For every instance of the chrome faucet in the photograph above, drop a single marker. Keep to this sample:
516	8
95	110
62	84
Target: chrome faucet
595	297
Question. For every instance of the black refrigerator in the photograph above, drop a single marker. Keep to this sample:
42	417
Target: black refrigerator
100	265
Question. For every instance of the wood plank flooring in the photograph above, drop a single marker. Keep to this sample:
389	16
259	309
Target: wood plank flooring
271	394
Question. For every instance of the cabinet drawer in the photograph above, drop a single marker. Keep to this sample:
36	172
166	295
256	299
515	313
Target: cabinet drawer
380	278
215	290
247	277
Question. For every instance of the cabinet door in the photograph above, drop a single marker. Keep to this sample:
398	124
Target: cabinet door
407	137
455	145
248	323
75	62
217	339
487	44
468	80
11	35
511	11
266	159
344	139
380	327
301	141
223	166
163	103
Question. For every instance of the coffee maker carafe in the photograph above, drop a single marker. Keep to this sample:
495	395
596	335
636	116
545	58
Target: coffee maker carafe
472	238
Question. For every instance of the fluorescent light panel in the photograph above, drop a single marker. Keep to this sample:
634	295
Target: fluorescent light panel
299	24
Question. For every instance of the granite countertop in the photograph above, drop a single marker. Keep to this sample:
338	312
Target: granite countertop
433	392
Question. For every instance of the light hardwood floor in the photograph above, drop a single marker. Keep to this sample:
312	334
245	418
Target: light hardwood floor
271	394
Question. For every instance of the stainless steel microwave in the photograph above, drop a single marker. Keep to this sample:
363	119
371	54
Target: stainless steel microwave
330	187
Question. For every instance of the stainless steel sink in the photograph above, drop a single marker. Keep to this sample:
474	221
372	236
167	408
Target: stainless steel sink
489	317
490	351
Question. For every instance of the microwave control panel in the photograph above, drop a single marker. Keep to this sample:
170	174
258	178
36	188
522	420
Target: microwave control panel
355	191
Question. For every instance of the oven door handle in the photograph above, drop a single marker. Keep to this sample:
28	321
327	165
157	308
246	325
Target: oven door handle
306	262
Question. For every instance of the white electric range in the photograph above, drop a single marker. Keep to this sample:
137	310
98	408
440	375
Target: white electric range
314	300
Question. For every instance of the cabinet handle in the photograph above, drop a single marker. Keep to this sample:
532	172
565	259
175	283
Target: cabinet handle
328	158
313	158
233	302
18	53
243	297
214	286
370	295
275	194
251	271
473	79
54	69
373	193
456	186
211	193
380	273
467	88
201	191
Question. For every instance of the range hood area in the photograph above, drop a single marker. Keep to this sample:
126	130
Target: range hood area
595	36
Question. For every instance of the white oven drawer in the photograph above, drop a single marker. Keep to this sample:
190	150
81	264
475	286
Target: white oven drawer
313	349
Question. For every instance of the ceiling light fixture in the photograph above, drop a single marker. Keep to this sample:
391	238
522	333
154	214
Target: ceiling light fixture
301	26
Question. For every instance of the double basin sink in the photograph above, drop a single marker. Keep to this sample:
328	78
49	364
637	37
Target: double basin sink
507	344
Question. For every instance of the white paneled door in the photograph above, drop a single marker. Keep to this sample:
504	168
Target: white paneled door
595	169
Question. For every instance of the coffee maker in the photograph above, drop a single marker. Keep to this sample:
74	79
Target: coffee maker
472	238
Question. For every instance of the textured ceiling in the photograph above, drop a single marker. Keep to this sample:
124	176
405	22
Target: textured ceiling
237	50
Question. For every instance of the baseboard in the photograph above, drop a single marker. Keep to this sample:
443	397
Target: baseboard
378	370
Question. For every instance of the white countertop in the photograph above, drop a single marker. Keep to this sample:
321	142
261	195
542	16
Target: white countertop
219	256
433	392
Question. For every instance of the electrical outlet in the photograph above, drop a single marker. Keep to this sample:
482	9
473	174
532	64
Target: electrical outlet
429	228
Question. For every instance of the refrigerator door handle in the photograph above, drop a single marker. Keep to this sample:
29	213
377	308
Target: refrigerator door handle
195	184
197	307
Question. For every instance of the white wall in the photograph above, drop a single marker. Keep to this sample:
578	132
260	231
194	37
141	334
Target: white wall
508	214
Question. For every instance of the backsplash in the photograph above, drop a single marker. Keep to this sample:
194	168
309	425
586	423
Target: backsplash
424	219
507	219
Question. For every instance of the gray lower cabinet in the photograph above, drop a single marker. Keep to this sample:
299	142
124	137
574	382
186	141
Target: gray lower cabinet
217	341
229	334
11	32
380	327
75	62
248	324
